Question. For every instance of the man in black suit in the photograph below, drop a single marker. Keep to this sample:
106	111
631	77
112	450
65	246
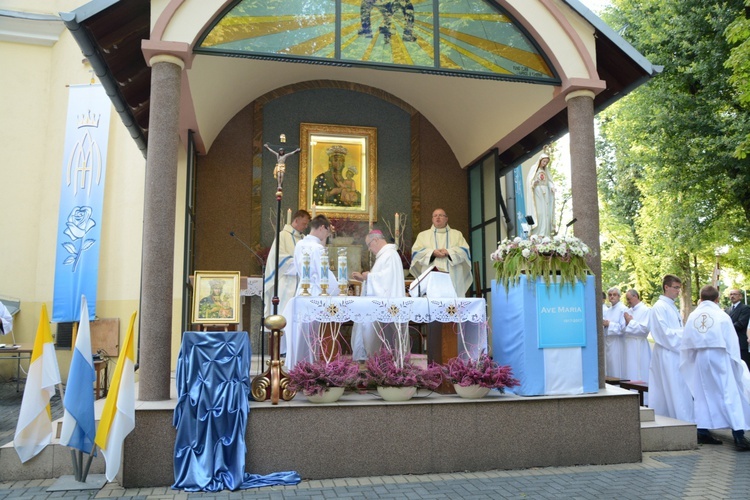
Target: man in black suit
740	314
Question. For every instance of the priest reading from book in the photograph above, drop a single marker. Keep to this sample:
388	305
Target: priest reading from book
444	248
385	279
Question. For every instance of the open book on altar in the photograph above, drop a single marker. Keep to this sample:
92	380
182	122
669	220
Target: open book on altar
433	283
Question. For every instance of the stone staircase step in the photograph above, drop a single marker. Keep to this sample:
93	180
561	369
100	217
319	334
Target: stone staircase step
668	434
647	414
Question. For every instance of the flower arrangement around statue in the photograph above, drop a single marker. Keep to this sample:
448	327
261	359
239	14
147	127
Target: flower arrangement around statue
543	257
478	374
316	378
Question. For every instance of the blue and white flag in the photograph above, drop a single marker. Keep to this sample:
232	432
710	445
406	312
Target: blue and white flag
78	426
520	189
81	200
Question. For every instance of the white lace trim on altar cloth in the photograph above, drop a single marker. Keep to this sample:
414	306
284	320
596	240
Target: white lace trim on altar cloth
254	287
389	310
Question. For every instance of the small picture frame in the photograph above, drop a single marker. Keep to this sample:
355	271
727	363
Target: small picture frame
216	297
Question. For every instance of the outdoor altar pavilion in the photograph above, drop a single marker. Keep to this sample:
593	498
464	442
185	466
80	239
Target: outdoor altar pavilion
459	93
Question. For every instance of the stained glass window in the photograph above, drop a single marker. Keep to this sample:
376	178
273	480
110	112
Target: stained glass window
466	37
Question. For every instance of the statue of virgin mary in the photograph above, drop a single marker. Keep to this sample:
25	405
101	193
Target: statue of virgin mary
540	198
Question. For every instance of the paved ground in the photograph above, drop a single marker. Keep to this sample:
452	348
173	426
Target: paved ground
708	472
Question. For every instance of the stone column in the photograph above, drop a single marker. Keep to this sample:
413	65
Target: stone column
158	228
585	193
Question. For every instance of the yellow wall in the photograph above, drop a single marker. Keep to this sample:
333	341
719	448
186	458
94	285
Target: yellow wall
33	107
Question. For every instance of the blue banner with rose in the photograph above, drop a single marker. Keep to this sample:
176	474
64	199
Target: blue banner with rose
79	224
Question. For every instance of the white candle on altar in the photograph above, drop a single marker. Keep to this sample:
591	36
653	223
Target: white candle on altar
288	215
314	212
305	269
324	265
342	262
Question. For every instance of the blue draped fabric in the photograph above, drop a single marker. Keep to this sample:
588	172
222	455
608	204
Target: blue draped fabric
213	385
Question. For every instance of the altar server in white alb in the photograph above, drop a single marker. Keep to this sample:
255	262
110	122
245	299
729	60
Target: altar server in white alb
667	392
636	348
298	342
385	279
289	236
313	245
614	343
711	365
445	248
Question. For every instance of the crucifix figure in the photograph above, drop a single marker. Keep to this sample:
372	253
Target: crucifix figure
278	171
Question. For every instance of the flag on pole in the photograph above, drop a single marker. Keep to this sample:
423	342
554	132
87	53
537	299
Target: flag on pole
78	426
118	417
34	428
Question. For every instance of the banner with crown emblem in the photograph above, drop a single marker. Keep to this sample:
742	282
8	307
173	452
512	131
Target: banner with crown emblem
81	202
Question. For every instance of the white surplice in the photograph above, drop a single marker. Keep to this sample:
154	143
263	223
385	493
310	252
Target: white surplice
614	342
667	391
289	237
713	370
459	263
385	279
299	342
636	347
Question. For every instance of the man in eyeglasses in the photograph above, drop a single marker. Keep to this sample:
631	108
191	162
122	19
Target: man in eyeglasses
667	391
740	314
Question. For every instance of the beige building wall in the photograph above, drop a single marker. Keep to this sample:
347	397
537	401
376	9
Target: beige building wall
33	108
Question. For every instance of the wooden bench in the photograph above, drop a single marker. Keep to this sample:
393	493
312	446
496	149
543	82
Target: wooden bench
636	385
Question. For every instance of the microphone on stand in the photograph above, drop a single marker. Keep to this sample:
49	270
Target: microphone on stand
573	221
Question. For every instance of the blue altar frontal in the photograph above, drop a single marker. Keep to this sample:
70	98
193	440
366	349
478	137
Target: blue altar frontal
548	335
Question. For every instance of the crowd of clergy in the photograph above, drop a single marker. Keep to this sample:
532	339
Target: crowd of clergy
697	371
440	247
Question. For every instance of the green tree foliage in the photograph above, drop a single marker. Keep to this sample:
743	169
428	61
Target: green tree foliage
738	36
672	188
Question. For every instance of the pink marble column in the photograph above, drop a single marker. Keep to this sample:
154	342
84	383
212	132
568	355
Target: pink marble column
158	229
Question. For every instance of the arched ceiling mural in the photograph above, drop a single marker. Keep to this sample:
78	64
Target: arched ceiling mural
460	37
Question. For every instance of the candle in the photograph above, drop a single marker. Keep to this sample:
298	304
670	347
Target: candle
305	269
343	271
288	215
324	266
372	215
314	211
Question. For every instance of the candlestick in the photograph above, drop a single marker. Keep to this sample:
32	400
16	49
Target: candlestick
305	281
343	270
314	211
324	272
288	215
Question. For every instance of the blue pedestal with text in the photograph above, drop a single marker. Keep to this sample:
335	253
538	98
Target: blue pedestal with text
548	336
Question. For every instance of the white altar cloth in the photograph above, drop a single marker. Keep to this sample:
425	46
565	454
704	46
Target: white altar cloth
304	314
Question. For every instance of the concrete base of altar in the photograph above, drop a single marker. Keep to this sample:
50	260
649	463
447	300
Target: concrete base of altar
361	435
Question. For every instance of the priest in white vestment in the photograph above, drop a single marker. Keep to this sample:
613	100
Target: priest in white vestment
636	347
614	343
299	340
385	279
717	377
667	391
445	248
289	236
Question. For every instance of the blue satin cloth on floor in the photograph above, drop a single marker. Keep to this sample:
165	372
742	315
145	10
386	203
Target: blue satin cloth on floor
213	385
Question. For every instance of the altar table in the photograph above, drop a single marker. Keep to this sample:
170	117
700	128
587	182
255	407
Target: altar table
466	316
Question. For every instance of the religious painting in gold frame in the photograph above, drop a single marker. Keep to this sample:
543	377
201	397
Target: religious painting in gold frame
338	171
216	297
